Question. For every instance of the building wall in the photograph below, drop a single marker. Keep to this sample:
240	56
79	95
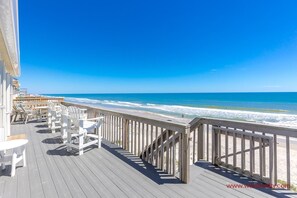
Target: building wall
9	60
5	102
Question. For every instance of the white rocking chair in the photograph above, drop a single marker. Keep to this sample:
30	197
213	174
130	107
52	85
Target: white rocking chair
85	131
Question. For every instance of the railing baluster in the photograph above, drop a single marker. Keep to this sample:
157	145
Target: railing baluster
180	155
167	152
271	171
261	158
143	137
194	144
130	136
226	147
170	158
254	161
174	157
152	140
156	146
116	130
288	162
207	143
121	130
135	137
242	152
252	158
264	161
219	145
162	149
108	127
147	141
139	142
275	157
197	143
112	129
123	134
234	150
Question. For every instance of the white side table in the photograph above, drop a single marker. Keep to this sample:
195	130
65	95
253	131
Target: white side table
18	153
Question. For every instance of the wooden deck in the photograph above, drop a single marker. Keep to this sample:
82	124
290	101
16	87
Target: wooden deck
110	172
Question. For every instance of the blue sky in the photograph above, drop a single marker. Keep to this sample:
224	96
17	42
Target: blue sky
115	46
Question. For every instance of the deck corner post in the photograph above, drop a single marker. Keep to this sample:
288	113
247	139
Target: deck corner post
185	168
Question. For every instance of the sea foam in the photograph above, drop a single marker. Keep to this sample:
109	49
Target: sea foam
278	119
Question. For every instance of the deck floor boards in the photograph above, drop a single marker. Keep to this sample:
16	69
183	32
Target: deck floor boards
106	172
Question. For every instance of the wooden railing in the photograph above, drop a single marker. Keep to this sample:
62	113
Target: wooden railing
249	148
161	143
37	99
31	102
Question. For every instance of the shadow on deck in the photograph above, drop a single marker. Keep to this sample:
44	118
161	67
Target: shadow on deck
235	180
111	172
156	175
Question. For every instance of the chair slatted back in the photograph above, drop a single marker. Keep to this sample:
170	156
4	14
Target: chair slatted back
76	114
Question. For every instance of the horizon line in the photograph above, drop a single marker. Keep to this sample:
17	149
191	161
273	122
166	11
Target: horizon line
177	92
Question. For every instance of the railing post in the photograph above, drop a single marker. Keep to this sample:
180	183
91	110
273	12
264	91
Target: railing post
185	164
200	142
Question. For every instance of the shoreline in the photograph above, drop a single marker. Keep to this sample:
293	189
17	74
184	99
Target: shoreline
178	112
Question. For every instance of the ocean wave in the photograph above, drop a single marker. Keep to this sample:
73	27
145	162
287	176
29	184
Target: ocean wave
279	119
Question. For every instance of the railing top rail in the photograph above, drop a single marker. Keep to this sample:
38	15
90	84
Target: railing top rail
243	133
172	125
292	132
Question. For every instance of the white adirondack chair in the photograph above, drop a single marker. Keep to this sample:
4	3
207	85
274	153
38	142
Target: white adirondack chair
28	113
82	132
54	116
49	113
64	123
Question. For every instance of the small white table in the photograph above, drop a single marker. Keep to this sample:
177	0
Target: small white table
18	153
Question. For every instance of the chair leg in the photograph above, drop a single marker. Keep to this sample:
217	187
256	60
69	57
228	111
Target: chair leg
26	119
80	144
3	166
68	141
3	163
53	127
13	164
24	158
99	137
15	118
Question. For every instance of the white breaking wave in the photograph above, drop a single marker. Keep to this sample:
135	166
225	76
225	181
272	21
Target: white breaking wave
279	119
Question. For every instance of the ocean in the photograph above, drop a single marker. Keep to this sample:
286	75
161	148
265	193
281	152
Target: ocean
278	109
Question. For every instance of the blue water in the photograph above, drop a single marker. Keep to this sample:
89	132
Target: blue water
275	108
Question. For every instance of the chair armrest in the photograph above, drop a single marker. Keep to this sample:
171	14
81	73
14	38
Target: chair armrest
94	119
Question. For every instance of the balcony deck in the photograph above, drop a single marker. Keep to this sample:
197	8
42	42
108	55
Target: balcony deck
110	172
